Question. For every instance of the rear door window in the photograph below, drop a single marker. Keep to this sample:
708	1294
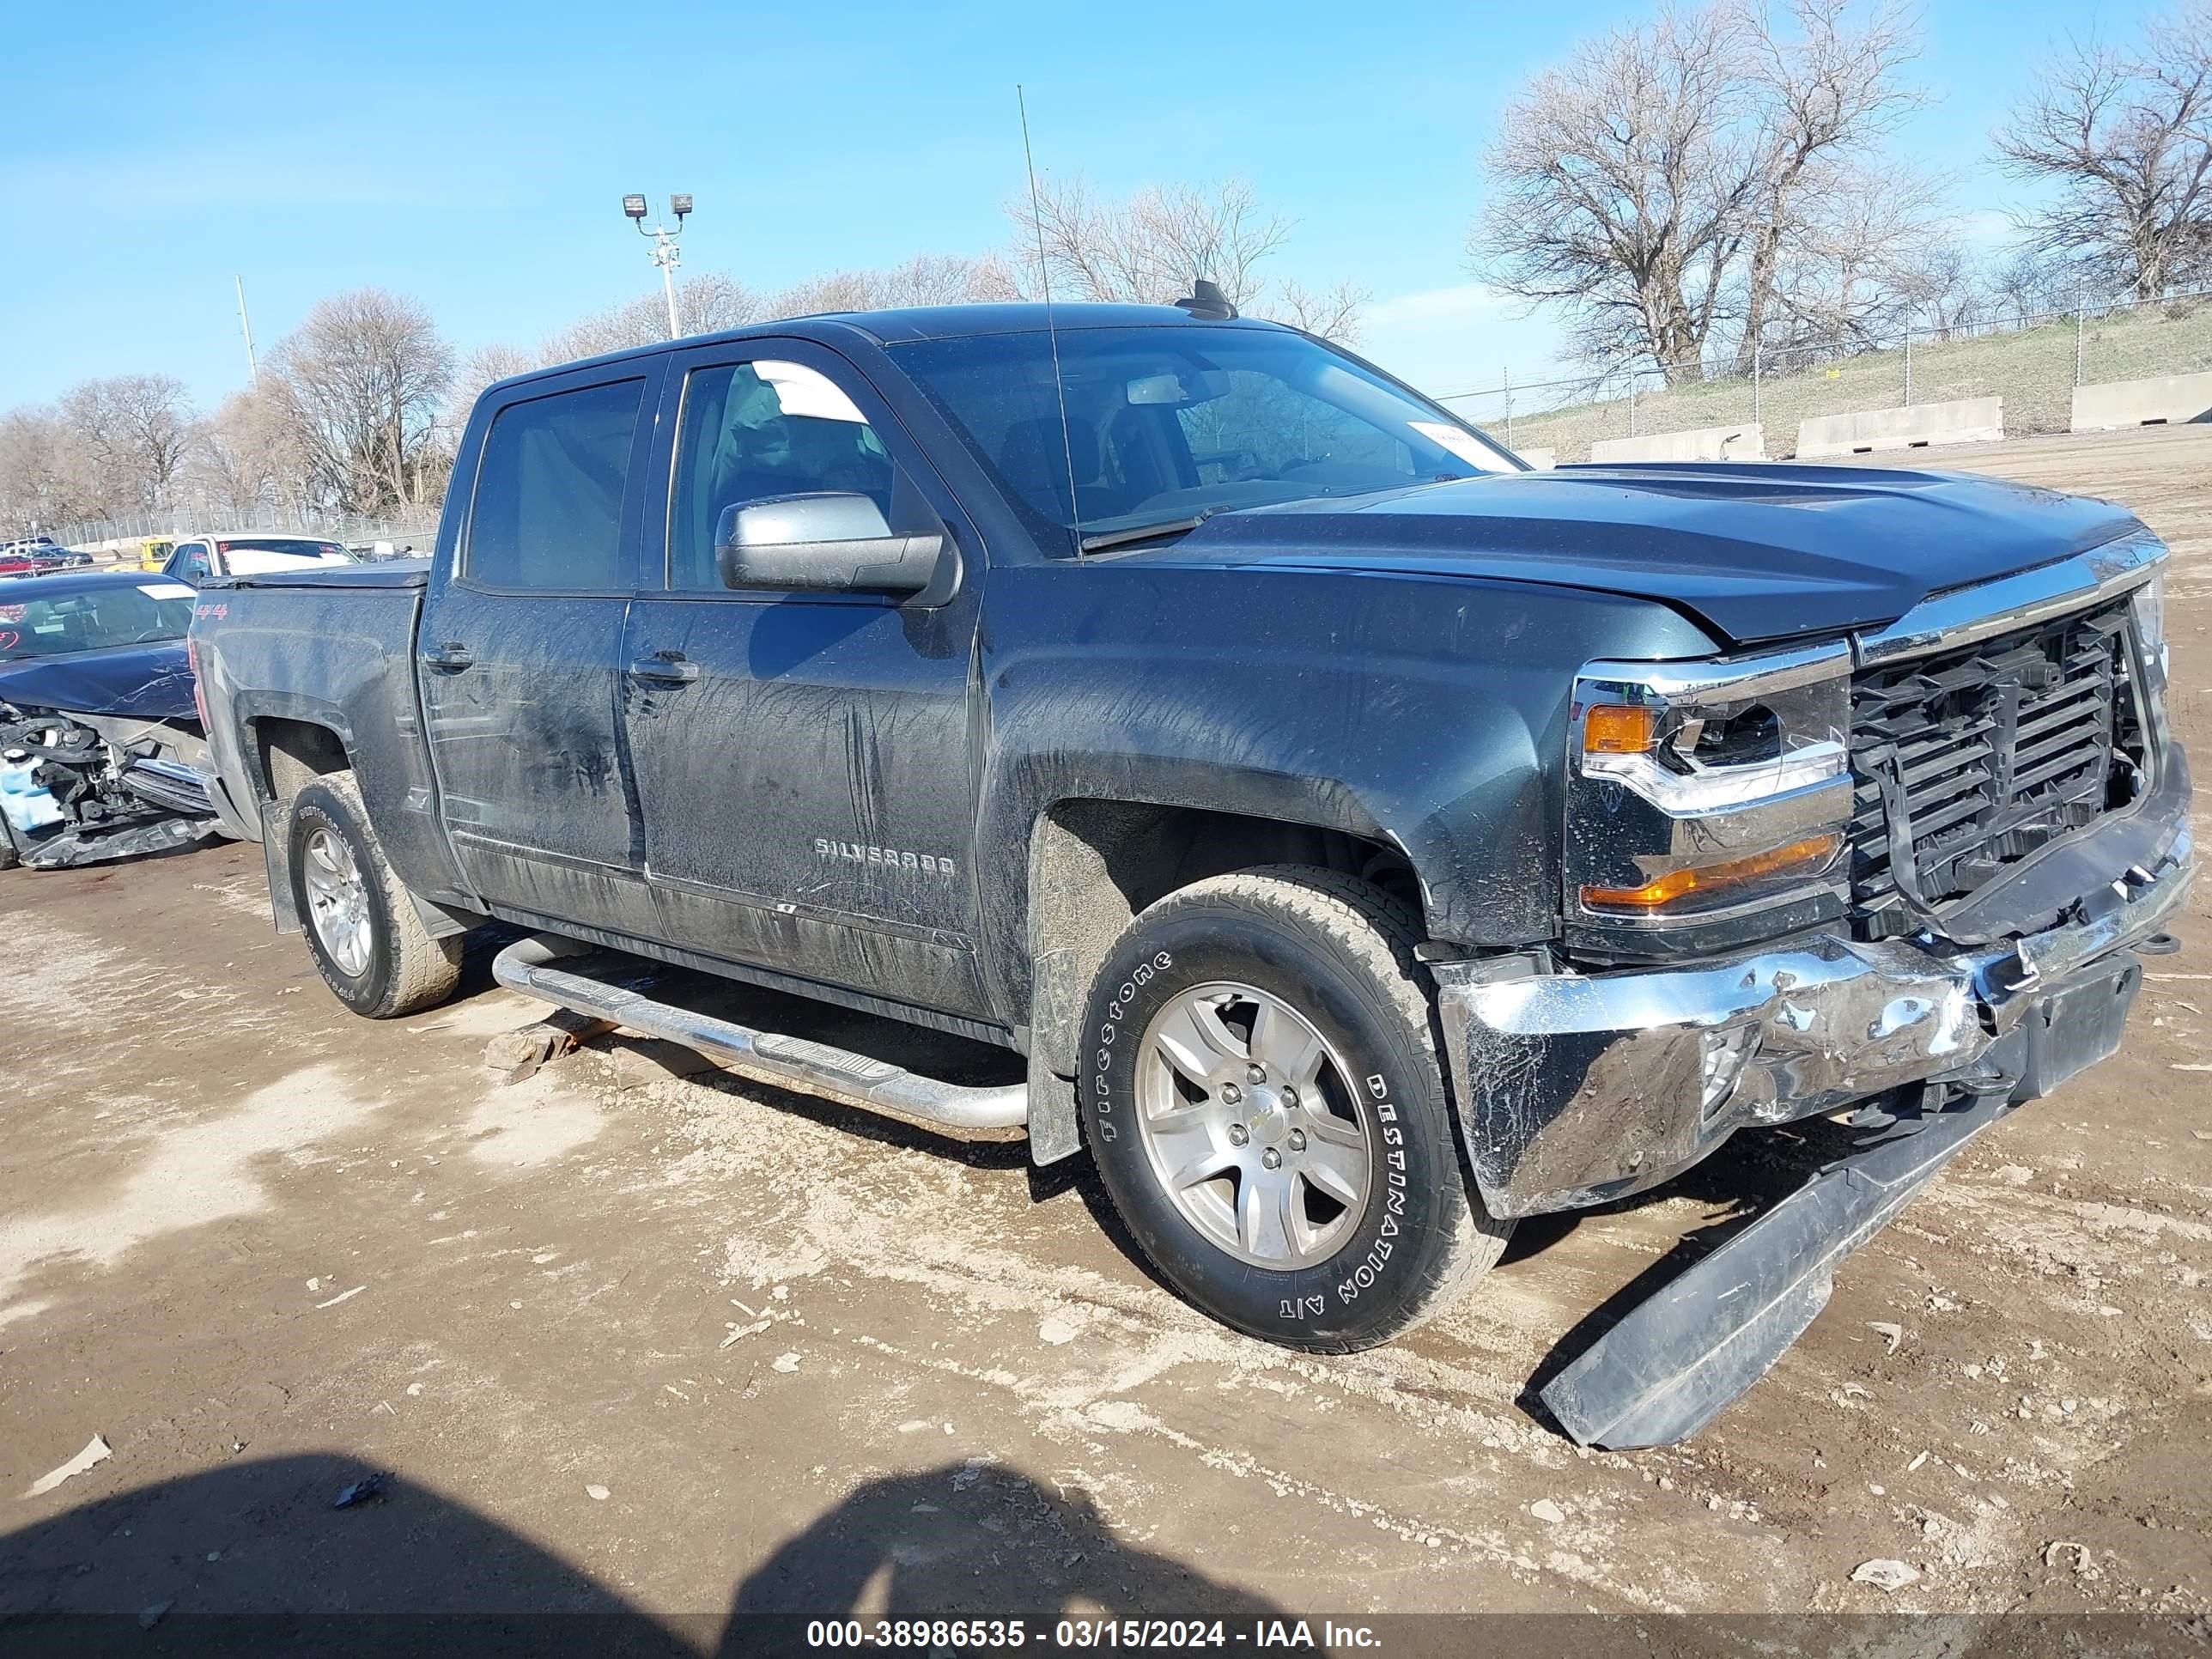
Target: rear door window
547	513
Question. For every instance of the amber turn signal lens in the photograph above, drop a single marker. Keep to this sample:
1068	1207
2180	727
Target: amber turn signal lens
1618	728
1680	883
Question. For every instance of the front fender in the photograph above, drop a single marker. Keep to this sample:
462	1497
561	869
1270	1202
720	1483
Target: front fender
1428	712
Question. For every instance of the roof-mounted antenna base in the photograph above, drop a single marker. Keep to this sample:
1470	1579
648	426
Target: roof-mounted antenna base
1205	299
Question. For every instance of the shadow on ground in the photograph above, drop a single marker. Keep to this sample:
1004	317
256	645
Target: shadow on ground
254	1558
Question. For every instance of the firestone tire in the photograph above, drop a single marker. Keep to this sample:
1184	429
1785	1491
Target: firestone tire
361	927
1219	979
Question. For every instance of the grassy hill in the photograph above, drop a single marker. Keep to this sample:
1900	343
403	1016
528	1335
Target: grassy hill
2031	369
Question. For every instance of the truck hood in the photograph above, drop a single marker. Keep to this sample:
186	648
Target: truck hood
1753	551
137	682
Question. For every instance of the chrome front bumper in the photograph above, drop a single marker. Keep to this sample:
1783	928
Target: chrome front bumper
1576	1088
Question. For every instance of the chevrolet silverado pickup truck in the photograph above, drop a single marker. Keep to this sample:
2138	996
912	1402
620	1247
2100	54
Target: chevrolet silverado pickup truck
1367	840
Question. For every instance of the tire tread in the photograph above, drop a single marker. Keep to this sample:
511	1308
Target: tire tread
1378	934
424	970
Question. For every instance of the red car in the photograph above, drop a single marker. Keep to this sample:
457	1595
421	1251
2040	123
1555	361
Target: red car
35	557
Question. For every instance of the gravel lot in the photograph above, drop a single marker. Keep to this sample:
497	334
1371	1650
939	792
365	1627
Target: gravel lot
659	1346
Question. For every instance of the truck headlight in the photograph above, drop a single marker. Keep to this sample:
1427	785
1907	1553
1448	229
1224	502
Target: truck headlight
1697	789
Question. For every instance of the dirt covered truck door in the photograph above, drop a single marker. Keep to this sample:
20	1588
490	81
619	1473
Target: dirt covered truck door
801	751
518	647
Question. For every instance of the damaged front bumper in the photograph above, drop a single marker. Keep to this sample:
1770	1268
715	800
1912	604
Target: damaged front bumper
1576	1088
92	788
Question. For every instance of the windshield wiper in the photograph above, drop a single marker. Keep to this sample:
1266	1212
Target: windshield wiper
1145	532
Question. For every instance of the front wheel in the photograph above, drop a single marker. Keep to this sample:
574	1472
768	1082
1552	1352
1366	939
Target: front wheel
1264	1102
373	952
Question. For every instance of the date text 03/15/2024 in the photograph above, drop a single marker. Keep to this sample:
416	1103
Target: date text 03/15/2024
1165	1634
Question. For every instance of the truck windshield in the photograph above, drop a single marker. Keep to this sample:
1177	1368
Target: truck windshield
1168	425
56	623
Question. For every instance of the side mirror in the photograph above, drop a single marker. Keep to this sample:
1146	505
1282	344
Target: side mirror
827	542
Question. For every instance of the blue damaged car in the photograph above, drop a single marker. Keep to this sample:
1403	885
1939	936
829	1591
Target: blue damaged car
100	739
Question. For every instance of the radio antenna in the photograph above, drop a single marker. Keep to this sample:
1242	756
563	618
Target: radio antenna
1051	334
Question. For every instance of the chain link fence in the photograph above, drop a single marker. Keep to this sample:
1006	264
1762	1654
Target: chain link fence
2033	362
121	537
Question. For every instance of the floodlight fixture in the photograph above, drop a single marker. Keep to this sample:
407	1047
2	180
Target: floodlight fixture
666	253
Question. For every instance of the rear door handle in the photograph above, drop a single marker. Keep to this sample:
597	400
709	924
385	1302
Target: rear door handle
453	656
665	671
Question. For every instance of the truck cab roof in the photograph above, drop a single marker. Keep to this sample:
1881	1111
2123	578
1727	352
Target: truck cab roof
905	325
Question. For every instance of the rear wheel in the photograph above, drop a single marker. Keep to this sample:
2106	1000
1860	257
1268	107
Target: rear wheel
1264	1102
371	946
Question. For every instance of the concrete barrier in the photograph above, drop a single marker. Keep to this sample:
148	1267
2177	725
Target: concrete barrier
2165	399
1922	426
1542	459
1704	443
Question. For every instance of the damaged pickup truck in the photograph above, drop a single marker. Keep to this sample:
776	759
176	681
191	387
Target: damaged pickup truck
100	742
1366	841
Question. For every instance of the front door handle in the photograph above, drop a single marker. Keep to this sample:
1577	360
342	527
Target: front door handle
665	671
453	656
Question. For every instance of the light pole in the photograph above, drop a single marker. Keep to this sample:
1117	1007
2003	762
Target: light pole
245	326
665	253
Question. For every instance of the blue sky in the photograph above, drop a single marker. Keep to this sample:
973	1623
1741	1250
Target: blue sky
474	156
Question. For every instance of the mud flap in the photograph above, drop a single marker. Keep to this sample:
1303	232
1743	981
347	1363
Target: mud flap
276	861
1680	1359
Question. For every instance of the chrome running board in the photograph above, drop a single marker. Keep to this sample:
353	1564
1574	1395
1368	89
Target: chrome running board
543	968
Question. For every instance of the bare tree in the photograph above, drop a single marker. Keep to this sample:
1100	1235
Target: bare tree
706	302
711	301
478	370
44	479
1620	182
1860	266
2126	135
2031	284
928	279
359	386
134	431
245	467
1331	313
1947	291
945	279
1149	249
1653	185
1828	93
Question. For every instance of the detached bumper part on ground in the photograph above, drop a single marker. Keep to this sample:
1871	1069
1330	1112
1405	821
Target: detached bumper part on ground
1680	1356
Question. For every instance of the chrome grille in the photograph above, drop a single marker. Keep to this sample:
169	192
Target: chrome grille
1991	749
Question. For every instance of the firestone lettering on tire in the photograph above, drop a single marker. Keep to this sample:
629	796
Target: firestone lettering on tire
1110	1027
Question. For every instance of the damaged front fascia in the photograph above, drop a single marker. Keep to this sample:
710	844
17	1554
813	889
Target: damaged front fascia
86	763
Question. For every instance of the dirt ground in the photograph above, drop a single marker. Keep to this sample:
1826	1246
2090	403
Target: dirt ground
656	1346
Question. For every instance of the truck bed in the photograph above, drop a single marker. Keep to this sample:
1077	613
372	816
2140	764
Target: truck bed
385	573
333	648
